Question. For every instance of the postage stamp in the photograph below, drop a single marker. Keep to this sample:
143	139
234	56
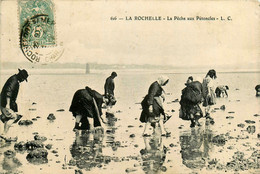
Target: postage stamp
38	40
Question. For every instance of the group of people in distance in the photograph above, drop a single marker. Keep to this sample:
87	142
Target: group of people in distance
86	105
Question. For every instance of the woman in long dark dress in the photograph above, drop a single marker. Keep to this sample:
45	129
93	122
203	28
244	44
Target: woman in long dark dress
86	104
153	111
190	99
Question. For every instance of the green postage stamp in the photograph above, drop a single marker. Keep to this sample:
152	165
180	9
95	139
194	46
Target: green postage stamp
38	40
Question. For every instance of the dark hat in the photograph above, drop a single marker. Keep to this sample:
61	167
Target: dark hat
114	74
23	73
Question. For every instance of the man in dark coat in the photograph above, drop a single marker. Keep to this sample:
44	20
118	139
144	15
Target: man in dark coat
8	100
109	88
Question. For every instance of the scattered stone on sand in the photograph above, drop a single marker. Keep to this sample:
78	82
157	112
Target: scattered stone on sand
60	110
40	138
32	109
34	119
257	115
132	136
229	117
176	100
250	129
128	170
136	145
231	112
25	122
250	121
9	153
48	146
110	115
119	111
20	146
54	151
236	89
35	144
109	131
173	110
216	108
223	107
130	126
238	100
38	117
34	103
78	172
72	162
51	117
38	156
230	147
163	168
241	125
172	145
219	140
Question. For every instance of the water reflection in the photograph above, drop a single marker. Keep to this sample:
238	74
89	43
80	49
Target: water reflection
87	153
153	155
196	146
111	130
10	163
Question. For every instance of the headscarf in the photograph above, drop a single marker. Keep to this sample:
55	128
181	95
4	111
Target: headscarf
162	79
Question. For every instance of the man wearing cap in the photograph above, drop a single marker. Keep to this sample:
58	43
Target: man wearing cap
109	88
8	101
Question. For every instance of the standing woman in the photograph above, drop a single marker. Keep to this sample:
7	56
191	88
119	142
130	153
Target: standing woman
208	93
153	111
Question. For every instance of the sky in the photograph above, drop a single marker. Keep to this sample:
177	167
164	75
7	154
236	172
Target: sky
88	35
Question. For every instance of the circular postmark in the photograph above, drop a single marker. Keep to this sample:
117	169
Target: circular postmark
38	40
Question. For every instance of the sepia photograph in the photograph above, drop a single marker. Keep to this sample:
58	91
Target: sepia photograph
140	87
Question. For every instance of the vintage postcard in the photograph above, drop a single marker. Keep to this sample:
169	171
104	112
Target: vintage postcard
140	87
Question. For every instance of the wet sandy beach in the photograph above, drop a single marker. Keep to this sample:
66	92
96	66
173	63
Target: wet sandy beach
231	145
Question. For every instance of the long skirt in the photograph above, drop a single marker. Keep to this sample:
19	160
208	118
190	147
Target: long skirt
146	116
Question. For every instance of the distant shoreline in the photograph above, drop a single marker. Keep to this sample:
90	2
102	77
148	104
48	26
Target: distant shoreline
81	71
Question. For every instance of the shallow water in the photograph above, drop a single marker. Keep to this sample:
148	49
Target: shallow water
185	151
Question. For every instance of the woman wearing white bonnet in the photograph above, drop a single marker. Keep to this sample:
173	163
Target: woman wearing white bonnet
153	111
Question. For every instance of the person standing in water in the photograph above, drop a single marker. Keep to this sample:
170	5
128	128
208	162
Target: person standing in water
8	101
153	111
109	89
208	93
190	99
